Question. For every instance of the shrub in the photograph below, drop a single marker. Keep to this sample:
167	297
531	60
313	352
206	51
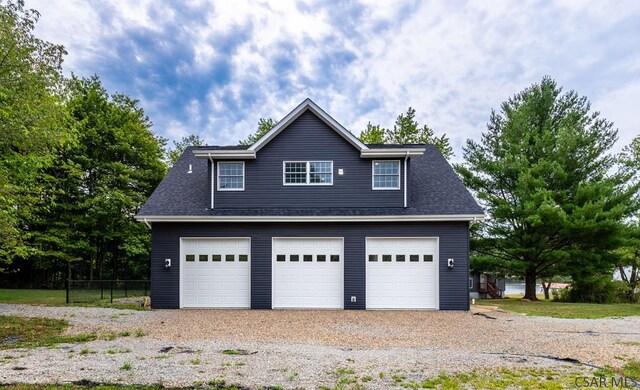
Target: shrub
597	289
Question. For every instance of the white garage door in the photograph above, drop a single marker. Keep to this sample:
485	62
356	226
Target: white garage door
402	273
307	273
216	272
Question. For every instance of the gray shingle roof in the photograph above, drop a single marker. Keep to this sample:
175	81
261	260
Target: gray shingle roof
434	189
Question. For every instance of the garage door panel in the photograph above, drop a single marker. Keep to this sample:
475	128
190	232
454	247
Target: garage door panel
307	283
406	284
215	283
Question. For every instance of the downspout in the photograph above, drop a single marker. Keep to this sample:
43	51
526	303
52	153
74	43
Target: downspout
212	173
146	223
406	157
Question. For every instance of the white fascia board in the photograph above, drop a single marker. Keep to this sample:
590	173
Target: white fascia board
375	153
293	115
224	154
364	218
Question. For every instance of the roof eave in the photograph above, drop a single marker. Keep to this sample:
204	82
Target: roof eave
396	152
323	218
224	154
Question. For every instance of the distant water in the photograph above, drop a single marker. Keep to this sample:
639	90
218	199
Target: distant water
513	287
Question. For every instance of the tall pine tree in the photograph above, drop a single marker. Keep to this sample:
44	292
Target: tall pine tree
543	171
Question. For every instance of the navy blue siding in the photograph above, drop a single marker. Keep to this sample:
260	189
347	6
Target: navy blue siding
308	138
454	243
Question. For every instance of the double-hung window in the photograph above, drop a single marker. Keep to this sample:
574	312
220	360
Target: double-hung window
308	173
386	175
231	176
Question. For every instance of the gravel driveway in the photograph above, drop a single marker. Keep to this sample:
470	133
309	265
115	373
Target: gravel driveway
308	348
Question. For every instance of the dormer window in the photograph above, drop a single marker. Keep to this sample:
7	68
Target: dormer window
308	173
386	175
231	176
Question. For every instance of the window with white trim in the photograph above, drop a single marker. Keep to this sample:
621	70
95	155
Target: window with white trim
308	172
386	175
231	176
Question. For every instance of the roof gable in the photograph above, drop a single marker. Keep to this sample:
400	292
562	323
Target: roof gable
366	151
308	105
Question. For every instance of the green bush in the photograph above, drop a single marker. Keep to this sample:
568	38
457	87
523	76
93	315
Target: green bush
598	289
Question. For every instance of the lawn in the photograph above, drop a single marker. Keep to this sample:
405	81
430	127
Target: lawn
52	298
25	332
564	309
33	297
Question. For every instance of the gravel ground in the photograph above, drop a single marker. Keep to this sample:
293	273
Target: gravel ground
308	348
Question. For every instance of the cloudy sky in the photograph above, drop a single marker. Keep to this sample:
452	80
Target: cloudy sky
214	68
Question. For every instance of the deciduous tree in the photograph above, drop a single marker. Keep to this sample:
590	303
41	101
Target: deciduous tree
33	122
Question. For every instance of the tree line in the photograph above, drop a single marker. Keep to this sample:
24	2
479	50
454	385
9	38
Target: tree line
77	163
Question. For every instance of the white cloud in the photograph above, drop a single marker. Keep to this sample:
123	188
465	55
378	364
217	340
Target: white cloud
362	62
621	107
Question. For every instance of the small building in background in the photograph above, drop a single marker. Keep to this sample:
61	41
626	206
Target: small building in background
484	285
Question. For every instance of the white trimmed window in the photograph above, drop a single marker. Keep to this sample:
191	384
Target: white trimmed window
386	175
307	173
231	176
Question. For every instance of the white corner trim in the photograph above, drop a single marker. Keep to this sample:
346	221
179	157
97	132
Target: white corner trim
307	104
324	218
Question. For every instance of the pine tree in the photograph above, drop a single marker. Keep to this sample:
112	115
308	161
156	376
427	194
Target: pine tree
543	171
406	130
264	126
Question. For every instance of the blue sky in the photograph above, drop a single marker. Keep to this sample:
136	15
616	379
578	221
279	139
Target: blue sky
214	68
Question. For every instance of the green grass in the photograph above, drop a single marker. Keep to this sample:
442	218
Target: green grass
564	309
36	332
53	298
630	370
525	378
33	297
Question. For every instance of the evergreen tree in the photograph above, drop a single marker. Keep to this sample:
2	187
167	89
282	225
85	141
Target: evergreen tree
406	130
543	171
373	134
179	147
264	126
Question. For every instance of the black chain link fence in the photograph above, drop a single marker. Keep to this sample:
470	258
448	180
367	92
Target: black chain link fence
89	291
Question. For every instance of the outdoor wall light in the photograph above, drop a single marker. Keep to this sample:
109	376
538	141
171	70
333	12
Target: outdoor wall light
450	263
340	172
167	263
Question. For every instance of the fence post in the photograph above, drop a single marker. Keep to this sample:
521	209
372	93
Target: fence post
145	288
67	286
125	289
111	300
101	291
